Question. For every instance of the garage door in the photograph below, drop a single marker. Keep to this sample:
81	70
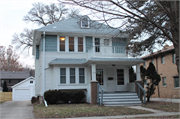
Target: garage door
22	94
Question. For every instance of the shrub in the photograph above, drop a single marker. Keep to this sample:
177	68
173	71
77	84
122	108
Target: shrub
35	99
54	96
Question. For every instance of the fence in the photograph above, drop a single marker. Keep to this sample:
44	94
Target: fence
5	96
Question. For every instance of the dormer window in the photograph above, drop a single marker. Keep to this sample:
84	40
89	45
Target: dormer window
85	22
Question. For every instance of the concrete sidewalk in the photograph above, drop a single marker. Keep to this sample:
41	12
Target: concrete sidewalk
173	100
154	114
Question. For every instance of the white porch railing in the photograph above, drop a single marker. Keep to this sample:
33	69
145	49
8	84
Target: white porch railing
107	51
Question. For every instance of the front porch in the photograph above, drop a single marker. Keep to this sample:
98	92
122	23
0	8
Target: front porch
113	78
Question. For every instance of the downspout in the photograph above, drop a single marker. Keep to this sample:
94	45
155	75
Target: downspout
43	62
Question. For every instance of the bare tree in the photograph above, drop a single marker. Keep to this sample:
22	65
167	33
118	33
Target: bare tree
9	59
42	14
24	40
148	22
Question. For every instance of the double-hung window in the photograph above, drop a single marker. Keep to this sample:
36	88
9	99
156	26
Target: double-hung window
174	58
63	75
62	44
81	75
164	81
99	76
71	44
106	42
80	44
162	59
72	75
97	44
176	82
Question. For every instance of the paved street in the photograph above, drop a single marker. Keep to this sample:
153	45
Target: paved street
16	110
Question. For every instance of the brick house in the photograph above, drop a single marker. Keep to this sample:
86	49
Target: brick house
165	63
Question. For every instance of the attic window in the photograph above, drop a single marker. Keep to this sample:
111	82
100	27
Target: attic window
31	81
85	22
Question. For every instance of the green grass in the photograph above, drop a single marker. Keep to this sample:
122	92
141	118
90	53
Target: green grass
164	106
2	102
82	110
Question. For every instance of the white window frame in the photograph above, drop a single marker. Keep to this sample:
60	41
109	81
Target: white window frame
81	75
88	22
70	75
63	75
59	44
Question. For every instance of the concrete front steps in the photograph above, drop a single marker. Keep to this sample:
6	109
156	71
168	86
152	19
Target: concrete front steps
120	99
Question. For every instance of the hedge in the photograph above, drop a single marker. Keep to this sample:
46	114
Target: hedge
64	96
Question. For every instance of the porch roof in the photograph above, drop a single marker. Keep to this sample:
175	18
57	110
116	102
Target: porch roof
123	61
67	61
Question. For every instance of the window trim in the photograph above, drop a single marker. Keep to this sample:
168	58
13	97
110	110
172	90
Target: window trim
88	20
63	75
70	75
59	43
81	75
80	44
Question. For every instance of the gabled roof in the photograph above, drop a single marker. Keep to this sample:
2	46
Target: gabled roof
72	25
14	75
30	78
166	49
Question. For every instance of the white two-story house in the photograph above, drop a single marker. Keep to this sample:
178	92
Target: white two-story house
74	53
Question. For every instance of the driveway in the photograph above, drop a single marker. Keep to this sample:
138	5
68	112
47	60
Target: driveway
16	110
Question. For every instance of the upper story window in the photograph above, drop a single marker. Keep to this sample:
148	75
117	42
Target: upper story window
152	60
106	42
62	44
163	60
80	44
164	83
174	58
97	44
144	64
85	22
71	43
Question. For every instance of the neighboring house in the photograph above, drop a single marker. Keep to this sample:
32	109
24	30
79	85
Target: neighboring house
76	53
24	90
13	77
165	63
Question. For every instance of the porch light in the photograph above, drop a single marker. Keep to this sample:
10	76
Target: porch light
62	38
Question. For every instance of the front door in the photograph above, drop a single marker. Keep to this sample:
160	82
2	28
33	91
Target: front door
110	78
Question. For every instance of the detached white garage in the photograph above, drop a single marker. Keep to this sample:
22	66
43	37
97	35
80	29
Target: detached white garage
24	90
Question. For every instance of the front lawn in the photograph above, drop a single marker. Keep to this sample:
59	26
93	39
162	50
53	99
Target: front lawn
164	106
1	102
160	117
82	110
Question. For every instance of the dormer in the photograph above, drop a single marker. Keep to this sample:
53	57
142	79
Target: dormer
85	22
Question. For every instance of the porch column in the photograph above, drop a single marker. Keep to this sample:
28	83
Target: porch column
93	85
138	80
93	70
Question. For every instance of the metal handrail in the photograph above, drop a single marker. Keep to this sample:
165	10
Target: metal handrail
140	87
100	101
